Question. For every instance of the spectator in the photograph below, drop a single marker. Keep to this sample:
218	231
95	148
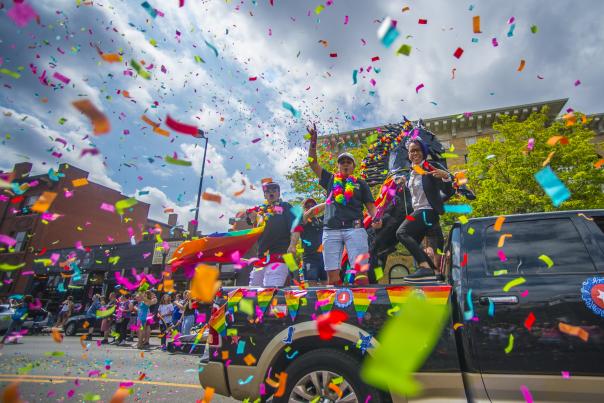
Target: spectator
107	322
312	234
164	313
91	314
188	316
177	312
21	312
65	311
145	300
133	317
122	317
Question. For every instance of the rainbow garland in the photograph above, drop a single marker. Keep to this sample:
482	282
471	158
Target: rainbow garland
264	297
233	298
326	298
438	294
361	299
218	320
292	300
342	193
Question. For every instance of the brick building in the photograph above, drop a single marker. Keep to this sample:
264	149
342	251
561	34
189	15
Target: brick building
78	221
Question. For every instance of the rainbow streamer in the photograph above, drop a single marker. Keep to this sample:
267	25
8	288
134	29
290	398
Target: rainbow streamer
233	298
292	300
264	297
398	295
438	294
218	320
326	299
361	299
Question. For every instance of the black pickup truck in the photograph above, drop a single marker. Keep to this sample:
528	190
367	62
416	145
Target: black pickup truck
527	322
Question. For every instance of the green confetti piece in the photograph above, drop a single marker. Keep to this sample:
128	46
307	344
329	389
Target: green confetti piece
547	260
10	267
54	353
13	74
510	346
534	29
379	273
105	313
471	231
62	121
247	306
139	70
199	59
404	50
124	204
113	260
513	283
500	272
25	369
393	363
319	9
449	155
91	397
289	260
174	161
371	138
153	42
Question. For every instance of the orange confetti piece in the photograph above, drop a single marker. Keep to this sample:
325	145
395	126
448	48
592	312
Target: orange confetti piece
111	57
142	354
161	131
502	240
457	325
239	193
208	394
548	159
100	123
598	164
44	201
476	24
266	180
499	223
120	395
126	94
249	359
10	394
522	64
320	248
142	376
85	325
336	389
79	182
573	331
56	335
282	383
419	170
215	198
570	119
205	283
225	355
406	8
557	139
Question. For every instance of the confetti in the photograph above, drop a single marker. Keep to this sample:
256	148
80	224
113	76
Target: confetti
552	141
513	283
552	186
21	13
502	238
498	223
100	123
139	70
534	29
79	182
529	321
458	208
214	198
290	108
422	21
175	161
152	12
354	76
494	42
209	45
124	204
387	33
111	57
458	52
528	397
346	20
476	24
510	345
419	87
61	77
44	202
547	260
327	321
404	49
205	283
522	64
10	73
10	267
181	127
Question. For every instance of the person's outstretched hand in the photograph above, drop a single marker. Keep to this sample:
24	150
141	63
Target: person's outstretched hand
313	134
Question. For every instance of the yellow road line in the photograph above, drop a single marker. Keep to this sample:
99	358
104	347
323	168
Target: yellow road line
69	378
19	379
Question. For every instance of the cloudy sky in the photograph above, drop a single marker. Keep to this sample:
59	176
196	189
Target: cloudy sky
202	59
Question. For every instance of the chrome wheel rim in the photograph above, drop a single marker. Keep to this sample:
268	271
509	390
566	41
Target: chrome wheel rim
316	384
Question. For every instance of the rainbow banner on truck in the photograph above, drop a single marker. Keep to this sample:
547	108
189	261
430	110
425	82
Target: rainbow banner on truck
218	320
361	299
264	297
436	294
292	300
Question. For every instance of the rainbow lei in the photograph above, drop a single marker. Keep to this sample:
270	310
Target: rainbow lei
342	193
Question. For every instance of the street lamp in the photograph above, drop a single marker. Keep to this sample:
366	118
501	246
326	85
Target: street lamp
200	135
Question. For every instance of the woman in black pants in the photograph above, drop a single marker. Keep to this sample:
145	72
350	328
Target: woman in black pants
427	186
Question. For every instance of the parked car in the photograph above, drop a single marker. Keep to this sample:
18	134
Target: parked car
35	322
75	325
543	332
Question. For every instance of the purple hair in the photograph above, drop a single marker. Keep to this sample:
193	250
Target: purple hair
421	145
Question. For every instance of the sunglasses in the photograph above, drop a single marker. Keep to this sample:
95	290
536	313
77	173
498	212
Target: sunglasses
345	161
271	189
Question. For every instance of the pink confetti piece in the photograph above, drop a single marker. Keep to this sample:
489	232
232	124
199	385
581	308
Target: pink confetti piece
61	77
5	239
526	393
373	82
501	255
27	273
494	42
128	384
70	393
422	21
256	140
108	207
511	20
346	20
577	83
566	374
458	52
524	294
539	77
21	13
419	87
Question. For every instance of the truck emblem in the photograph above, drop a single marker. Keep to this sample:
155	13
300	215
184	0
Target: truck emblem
343	298
592	294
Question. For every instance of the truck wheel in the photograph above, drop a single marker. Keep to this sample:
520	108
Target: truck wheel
309	377
70	329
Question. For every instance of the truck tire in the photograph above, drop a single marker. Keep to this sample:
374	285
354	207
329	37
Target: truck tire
70	329
309	376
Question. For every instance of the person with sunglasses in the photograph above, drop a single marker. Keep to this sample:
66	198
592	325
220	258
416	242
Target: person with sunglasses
276	239
343	221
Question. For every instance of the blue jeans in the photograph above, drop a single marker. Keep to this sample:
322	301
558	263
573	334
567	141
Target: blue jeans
334	240
187	323
314	269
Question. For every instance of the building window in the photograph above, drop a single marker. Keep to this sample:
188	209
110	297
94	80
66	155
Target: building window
21	238
470	140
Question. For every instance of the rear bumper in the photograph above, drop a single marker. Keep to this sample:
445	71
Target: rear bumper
213	375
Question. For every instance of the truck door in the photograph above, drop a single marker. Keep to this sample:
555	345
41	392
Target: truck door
533	327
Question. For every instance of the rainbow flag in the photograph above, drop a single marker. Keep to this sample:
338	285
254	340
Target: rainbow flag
233	298
436	294
292	300
361	299
326	298
264	297
218	320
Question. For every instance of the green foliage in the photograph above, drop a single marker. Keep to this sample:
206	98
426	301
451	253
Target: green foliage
501	172
304	181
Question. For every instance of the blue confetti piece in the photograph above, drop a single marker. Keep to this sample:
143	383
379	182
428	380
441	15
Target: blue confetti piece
474	40
387	32
240	347
152	12
354	76
491	308
458	208
511	31
552	186
246	381
290	108
212	47
471	7
297	211
292	355
425	220
469	314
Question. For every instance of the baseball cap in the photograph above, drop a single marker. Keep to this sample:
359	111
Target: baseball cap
310	199
270	186
346	155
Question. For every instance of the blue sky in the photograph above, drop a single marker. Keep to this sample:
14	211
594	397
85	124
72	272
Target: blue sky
280	45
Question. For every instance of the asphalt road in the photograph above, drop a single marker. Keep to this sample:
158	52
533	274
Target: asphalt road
156	376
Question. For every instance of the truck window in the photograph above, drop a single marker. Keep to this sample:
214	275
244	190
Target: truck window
556	238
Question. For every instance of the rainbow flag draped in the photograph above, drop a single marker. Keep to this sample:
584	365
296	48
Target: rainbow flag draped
264	297
436	294
292	300
233	298
361	299
218	320
326	298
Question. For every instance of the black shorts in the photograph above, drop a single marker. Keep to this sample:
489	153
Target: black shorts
314	269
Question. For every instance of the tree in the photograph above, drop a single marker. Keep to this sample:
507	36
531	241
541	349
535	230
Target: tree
304	181
501	172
